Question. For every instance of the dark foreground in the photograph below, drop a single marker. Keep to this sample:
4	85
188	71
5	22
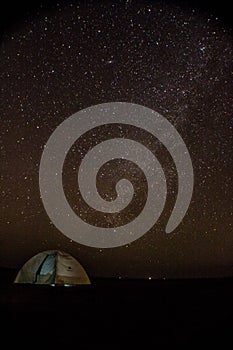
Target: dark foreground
116	313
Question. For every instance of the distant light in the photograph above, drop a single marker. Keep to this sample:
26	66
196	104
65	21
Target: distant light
149	278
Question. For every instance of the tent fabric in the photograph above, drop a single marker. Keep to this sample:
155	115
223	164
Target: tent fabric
52	267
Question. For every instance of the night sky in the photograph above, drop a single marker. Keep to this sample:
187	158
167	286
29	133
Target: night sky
173	58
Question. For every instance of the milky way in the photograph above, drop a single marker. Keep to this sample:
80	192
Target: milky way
175	59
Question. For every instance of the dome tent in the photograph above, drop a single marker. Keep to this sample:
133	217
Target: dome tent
53	267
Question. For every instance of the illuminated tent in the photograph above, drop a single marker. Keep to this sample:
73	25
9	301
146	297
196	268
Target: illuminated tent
52	267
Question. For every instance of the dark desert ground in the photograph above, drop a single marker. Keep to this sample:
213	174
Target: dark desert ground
114	313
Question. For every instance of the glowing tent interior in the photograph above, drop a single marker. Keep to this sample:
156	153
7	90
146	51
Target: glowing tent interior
52	267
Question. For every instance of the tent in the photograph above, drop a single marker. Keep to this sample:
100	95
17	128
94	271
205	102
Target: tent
52	267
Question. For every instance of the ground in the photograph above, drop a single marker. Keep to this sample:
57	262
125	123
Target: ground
113	313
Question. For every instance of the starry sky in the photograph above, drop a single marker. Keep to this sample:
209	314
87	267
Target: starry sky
173	57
